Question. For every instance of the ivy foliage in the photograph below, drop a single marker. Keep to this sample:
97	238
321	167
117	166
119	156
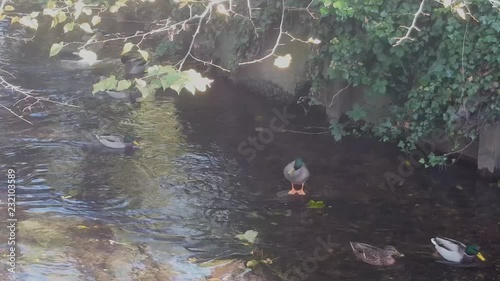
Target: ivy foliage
446	74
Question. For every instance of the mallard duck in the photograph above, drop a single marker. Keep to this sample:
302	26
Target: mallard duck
118	142
134	64
456	251
132	96
296	173
373	255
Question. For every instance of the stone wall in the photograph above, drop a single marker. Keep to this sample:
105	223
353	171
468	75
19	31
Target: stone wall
283	85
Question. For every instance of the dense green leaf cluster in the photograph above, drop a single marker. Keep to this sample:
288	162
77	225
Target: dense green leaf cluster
446	75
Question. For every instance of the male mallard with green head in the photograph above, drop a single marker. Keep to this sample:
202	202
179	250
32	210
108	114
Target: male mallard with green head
296	173
456	251
373	255
118	142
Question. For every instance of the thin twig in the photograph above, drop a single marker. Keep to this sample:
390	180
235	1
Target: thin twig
277	39
412	27
15	114
201	17
338	93
209	63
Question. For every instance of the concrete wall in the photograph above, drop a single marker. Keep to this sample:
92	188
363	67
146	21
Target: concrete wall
488	162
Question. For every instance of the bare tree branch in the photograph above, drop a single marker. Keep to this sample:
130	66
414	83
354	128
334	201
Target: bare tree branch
208	9
412	27
15	114
338	93
277	39
28	97
2	4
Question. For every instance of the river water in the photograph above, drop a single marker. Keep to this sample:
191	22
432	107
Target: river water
84	213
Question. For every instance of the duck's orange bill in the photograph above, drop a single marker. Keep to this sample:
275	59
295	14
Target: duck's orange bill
480	256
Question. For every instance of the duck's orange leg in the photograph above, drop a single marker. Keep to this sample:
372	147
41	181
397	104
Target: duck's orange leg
301	191
293	191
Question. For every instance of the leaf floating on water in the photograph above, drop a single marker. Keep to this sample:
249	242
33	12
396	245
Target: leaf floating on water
252	263
249	235
81	227
192	260
8	8
459	187
315	204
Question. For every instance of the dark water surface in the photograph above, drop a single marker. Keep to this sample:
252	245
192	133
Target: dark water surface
89	214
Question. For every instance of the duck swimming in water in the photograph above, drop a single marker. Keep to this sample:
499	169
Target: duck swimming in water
456	251
118	142
373	255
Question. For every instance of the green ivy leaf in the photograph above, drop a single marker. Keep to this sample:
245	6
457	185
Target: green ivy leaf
357	113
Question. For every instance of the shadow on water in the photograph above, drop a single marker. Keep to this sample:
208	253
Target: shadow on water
90	214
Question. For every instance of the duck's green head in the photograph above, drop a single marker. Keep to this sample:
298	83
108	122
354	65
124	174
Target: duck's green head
473	250
298	163
130	139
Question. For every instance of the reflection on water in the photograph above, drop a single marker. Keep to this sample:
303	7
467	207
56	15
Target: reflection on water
88	214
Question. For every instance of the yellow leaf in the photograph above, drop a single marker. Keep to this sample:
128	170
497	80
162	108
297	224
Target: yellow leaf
144	54
51	4
14	20
29	22
50	12
8	8
54	23
283	61
61	17
81	226
114	9
2	17
86	27
222	9
96	20
140	82
314	41
69	27
461	13
55	49
88	56
87	11
446	3
127	47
